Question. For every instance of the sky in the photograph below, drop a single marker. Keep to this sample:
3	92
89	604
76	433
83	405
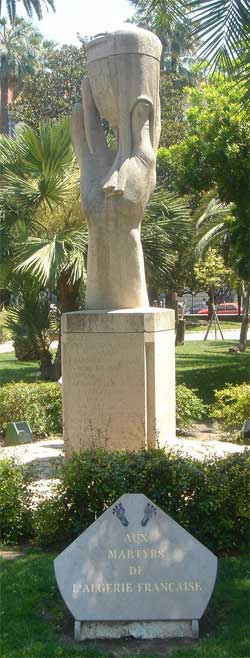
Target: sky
88	17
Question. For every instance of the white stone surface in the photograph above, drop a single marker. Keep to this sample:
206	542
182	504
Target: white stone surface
141	630
123	87
135	564
118	379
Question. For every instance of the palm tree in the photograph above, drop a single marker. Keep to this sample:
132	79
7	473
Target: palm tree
178	42
38	180
222	25
213	225
20	44
28	5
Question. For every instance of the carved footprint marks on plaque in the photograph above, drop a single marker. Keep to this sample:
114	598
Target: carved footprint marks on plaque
149	511
119	511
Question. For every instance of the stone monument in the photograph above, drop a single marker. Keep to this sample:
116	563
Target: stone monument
136	573
118	355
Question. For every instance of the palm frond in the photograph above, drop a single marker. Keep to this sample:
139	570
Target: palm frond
165	228
30	6
166	11
215	209
46	258
213	233
223	25
40	258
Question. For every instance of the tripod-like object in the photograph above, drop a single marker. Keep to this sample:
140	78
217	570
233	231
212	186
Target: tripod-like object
214	320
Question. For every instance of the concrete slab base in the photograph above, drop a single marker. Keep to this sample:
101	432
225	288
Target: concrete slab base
138	630
118	379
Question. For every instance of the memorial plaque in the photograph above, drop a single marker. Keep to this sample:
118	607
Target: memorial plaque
16	433
134	564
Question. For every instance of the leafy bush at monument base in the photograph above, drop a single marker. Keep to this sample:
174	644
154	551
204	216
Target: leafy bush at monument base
232	406
209	499
15	503
39	404
189	407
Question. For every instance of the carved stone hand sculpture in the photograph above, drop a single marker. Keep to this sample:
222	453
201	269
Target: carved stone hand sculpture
122	87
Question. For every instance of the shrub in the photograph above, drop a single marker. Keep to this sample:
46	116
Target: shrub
15	509
232	406
189	407
209	499
5	335
39	404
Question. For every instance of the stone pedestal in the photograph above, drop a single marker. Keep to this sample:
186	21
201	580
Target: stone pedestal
118	379
137	630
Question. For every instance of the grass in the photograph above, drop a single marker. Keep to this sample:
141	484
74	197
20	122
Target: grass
225	325
35	623
206	366
12	370
199	364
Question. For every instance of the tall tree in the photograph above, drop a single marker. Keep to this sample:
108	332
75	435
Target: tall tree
20	44
51	92
30	6
215	157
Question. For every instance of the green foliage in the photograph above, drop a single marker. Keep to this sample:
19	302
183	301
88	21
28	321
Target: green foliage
37	168
215	152
165	234
5	334
39	404
53	90
30	7
222	25
15	511
208	498
173	99
232	406
31	327
189	407
211	272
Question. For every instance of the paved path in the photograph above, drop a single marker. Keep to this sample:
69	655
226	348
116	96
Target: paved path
8	347
43	458
229	334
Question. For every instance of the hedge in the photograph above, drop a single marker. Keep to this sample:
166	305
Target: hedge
209	499
39	404
15	503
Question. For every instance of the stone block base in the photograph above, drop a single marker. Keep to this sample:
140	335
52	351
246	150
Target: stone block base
137	630
118	379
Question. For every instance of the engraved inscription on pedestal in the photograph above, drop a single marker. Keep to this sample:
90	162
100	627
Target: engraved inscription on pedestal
136	564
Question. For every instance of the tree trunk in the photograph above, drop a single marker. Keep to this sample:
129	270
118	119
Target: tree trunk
245	317
210	303
4	106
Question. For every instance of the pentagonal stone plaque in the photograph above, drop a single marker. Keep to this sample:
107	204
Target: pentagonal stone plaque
136	563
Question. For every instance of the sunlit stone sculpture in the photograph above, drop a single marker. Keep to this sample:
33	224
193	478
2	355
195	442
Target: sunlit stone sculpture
118	354
122	87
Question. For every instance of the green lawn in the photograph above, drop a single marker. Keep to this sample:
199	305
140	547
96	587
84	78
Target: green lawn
199	364
35	623
225	325
12	370
208	365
